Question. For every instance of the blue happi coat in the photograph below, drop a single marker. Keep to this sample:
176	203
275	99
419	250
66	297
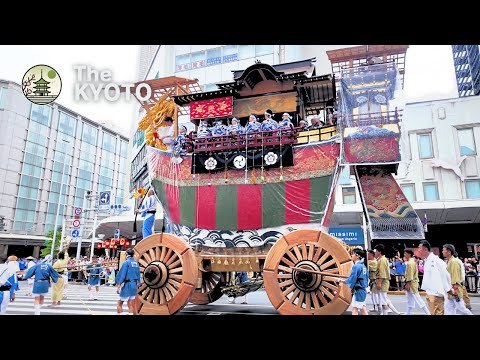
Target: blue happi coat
129	276
358	280
43	273
253	127
94	270
269	125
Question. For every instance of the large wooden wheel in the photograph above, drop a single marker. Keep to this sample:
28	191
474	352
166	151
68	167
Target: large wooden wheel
210	290
169	270
295	292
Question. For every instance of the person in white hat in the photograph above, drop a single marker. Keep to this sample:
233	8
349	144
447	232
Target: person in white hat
31	263
286	122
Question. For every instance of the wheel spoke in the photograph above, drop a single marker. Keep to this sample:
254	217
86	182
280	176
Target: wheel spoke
284	268
167	256
147	258
175	264
157	253
168	296
322	298
295	295
175	276
145	293
163	299
308	301
317	254
289	290
171	288
304	251
301	298
151	252
164	251
172	259
316	304
286	283
311	249
177	270
323	258
297	253
284	276
326	292
174	283
327	264
288	262
292	256
330	286
143	262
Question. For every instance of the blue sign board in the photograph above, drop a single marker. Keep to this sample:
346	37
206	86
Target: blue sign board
75	233
350	235
117	234
104	198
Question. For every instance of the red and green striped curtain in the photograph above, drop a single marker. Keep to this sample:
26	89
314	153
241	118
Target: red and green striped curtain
249	206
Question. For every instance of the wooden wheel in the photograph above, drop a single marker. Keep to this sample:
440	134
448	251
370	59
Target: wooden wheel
210	290
294	292
168	268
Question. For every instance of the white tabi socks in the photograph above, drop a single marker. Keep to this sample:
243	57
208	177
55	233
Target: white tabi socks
37	308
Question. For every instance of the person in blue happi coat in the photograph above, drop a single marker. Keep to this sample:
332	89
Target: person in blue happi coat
128	279
358	282
148	210
8	285
44	273
93	270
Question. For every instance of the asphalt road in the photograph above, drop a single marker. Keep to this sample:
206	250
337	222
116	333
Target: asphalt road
77	303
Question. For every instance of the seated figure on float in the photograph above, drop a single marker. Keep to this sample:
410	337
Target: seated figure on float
166	133
179	144
253	124
235	127
286	122
303	124
316	123
219	128
269	124
203	130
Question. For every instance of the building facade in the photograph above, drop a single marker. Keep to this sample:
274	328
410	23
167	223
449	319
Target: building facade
50	154
466	59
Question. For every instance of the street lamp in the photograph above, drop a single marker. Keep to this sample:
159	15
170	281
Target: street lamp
58	205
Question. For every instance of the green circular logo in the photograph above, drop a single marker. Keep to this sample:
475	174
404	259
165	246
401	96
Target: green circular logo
41	84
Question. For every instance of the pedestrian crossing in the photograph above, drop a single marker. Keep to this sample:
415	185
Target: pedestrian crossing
76	303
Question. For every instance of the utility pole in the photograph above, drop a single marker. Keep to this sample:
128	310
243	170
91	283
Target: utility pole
82	221
92	247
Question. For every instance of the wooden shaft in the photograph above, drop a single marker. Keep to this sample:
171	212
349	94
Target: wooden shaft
76	266
320	272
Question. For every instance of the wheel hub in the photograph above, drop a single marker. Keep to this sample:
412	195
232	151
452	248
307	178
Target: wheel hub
307	281
155	274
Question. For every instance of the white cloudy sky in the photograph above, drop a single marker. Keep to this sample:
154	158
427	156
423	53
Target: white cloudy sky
429	73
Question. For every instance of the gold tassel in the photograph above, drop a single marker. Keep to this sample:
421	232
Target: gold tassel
225	262
247	261
212	260
219	262
240	262
233	261
256	260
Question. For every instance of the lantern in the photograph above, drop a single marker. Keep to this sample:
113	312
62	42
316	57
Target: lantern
103	244
99	246
122	241
115	247
127	243
107	243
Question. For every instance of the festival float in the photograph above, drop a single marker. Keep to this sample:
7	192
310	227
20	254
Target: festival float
261	201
